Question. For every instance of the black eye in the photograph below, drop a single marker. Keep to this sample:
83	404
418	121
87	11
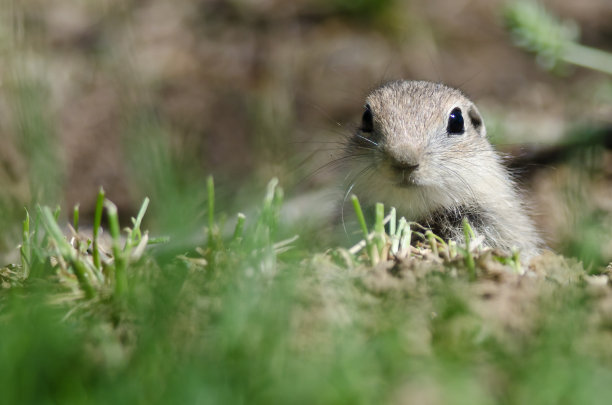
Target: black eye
455	122
367	124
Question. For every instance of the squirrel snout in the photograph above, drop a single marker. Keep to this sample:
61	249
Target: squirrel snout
403	166
404	159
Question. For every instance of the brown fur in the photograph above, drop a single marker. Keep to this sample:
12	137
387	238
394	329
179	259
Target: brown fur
458	175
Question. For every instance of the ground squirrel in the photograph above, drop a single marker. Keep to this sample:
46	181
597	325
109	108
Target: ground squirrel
422	148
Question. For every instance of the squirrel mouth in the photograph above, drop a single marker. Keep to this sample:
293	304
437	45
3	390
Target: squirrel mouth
404	175
405	182
404	179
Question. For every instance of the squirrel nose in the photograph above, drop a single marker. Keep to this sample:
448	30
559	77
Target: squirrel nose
406	160
402	166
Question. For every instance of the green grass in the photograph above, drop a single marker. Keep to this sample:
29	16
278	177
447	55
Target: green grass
252	316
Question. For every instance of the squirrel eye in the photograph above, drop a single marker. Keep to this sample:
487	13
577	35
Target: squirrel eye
367	123
455	122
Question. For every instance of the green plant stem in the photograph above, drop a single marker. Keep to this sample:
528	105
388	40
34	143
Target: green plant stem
239	229
469	259
364	229
379	228
406	235
96	228
81	273
588	57
67	251
136	233
75	218
210	189
120	262
432	242
360	217
26	246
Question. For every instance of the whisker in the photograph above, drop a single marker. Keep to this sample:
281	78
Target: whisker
342	208
366	139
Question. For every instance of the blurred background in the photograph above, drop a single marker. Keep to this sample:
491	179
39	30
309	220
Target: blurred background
148	97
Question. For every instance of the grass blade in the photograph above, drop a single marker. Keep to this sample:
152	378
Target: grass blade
210	189
364	229
136	233
75	218
239	229
120	262
379	228
26	246
96	228
469	258
67	251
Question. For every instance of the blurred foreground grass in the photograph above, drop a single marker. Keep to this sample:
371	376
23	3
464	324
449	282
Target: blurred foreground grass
252	315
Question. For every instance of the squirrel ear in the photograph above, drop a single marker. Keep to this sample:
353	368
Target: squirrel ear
476	120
